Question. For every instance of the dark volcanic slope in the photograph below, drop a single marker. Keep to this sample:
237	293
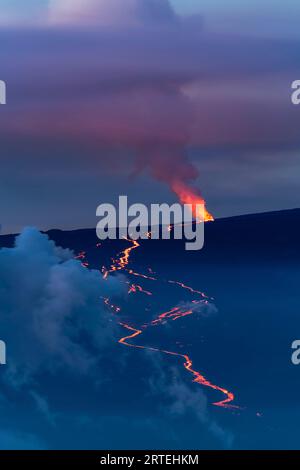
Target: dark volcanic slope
250	266
271	237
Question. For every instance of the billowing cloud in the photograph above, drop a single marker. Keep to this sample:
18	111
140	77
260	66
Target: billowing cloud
51	314
66	370
185	400
154	92
182	400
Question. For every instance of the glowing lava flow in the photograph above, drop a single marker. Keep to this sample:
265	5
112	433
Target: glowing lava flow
133	288
82	256
188	365
113	307
123	260
173	314
144	276
184	286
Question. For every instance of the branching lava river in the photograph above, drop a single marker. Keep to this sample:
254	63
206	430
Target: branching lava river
121	263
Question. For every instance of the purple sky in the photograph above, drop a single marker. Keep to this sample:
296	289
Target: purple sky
100	93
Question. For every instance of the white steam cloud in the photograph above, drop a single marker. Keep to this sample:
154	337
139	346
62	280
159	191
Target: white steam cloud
51	312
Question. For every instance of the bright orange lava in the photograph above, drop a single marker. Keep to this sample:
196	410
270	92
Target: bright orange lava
82	256
184	286
123	260
187	195
188	365
144	276
174	314
133	288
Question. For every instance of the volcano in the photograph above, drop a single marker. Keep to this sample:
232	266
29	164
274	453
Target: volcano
223	319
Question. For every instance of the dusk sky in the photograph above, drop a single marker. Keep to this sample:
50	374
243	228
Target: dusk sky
151	343
111	98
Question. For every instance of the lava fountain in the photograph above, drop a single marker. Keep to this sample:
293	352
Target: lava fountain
188	195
